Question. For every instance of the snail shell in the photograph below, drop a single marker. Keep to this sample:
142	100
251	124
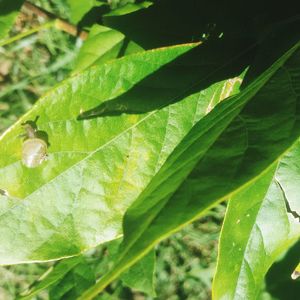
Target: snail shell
34	152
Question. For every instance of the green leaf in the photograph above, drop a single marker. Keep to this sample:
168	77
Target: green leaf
55	275
74	283
97	166
141	275
45	201
79	8
103	44
288	176
250	225
224	167
195	22
172	22
90	11
252	218
8	13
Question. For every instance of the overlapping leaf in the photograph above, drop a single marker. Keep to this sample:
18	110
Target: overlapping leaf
79	8
99	163
256	231
67	278
62	277
258	228
225	166
103	44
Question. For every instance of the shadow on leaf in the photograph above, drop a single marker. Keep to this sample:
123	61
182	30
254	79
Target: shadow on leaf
188	74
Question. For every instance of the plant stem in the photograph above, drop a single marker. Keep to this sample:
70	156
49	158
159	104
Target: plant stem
27	33
54	22
92	292
60	23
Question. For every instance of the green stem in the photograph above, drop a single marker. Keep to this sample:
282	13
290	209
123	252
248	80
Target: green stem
27	33
92	292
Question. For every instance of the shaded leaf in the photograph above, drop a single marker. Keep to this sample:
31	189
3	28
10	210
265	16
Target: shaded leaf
172	22
52	276
8	13
129	8
66	179
249	116
252	218
278	282
288	176
103	44
79	8
250	223
74	283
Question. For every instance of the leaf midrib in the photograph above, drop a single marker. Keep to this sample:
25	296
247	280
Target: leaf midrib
102	146
91	154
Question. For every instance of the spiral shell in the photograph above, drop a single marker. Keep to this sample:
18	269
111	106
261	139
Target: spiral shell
34	152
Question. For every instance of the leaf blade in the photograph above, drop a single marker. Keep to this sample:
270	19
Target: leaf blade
156	219
55	203
9	11
259	246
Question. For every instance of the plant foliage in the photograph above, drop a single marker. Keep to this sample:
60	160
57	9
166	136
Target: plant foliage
152	129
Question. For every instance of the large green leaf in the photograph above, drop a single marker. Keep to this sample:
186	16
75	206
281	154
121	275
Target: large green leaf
8	13
43	201
252	219
97	166
250	225
225	167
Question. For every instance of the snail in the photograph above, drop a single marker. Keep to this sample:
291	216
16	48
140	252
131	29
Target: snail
34	149
3	192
